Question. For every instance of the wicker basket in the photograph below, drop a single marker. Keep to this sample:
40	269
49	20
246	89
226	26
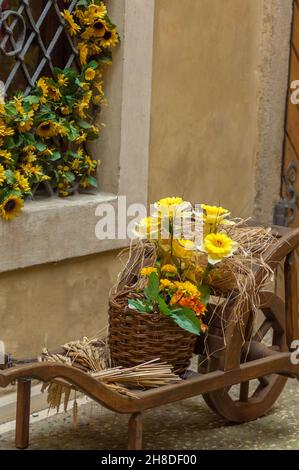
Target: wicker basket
136	337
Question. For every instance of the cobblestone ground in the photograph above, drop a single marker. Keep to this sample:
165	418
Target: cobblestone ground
186	425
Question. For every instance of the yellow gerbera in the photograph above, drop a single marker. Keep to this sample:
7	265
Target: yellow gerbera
48	129
169	269
146	272
2	174
11	207
89	74
74	28
218	246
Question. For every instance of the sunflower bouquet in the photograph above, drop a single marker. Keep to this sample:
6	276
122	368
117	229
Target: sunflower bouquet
43	135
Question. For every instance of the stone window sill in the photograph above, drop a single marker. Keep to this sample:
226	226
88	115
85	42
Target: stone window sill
54	229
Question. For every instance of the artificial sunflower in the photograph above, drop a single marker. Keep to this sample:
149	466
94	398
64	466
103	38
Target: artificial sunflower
73	27
89	74
22	183
2	174
11	207
110	38
4	130
48	129
43	87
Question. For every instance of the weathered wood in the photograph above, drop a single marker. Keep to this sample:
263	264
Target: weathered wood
135	430
291	299
23	413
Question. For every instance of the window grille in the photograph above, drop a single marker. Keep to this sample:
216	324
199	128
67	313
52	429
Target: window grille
33	40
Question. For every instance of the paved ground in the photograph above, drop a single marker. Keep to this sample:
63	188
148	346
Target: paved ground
186	425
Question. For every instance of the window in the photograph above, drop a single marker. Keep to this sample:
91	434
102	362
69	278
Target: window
54	229
33	41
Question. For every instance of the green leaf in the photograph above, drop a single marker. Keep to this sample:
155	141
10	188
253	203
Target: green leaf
10	177
163	306
92	181
84	124
55	156
40	146
69	175
205	292
152	290
139	306
186	319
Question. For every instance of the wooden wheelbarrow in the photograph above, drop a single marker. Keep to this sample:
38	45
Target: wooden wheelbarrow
258	369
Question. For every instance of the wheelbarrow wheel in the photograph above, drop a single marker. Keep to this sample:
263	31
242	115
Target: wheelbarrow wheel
251	400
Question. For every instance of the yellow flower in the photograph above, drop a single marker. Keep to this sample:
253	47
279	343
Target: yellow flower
89	74
2	174
187	288
4	130
2	106
146	272
166	284
18	104
65	110
169	269
83	52
62	80
184	249
11	207
95	12
171	207
42	84
218	246
148	228
6	155
76	164
110	38
74	28
48	129
54	93
213	215
26	124
22	182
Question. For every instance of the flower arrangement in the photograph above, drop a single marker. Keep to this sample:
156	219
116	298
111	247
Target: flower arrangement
43	135
177	285
199	250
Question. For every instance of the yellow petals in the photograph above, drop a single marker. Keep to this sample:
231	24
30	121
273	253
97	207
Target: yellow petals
218	246
11	207
146	272
169	269
89	74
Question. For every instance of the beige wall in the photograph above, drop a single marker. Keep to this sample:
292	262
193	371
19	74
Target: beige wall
204	101
54	303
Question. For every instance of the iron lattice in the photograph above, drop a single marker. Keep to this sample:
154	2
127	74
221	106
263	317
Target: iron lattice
33	40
